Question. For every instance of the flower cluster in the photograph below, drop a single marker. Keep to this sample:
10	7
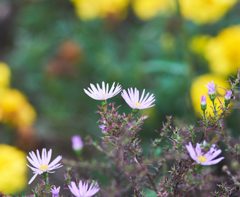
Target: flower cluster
42	166
198	89
122	146
131	98
146	10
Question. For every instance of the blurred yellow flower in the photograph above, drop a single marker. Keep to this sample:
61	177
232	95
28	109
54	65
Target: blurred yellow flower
15	109
223	51
5	75
198	43
198	89
148	9
13	169
91	9
205	11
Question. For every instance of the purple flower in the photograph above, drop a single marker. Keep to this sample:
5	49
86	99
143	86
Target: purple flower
103	127
132	99
203	100
228	95
102	93
211	88
42	164
77	143
198	155
55	191
82	190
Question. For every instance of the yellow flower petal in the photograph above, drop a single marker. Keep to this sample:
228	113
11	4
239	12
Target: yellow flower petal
13	169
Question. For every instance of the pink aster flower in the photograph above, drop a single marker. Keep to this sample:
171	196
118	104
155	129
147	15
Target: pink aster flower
103	93
132	99
202	158
55	191
82	190
211	88
228	95
42	164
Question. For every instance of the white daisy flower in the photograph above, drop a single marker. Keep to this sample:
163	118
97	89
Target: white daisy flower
82	190
132	99
202	158
103	93
42	164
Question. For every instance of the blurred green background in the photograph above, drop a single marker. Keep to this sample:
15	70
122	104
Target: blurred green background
55	48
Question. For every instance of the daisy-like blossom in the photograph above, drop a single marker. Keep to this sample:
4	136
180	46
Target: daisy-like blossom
103	93
228	95
211	88
202	158
132	99
203	100
42	164
82	190
55	191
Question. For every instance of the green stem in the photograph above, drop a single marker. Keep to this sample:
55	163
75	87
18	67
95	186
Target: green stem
46	181
214	110
134	112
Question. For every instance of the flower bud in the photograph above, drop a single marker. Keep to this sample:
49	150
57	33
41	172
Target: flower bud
77	144
203	103
211	90
228	97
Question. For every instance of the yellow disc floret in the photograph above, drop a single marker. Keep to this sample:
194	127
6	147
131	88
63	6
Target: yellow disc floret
202	159
137	104
43	167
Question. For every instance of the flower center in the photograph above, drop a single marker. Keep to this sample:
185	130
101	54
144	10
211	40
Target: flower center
43	167
202	159
137	104
105	95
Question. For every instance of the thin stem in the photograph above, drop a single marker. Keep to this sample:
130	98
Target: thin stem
147	173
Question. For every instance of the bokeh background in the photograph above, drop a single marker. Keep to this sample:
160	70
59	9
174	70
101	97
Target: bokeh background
51	49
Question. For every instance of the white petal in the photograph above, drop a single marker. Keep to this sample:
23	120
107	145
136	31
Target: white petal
31	180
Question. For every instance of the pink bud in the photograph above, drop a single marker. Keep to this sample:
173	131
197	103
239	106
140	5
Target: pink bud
77	143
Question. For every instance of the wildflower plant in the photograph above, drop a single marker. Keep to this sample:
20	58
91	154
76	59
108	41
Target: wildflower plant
181	160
